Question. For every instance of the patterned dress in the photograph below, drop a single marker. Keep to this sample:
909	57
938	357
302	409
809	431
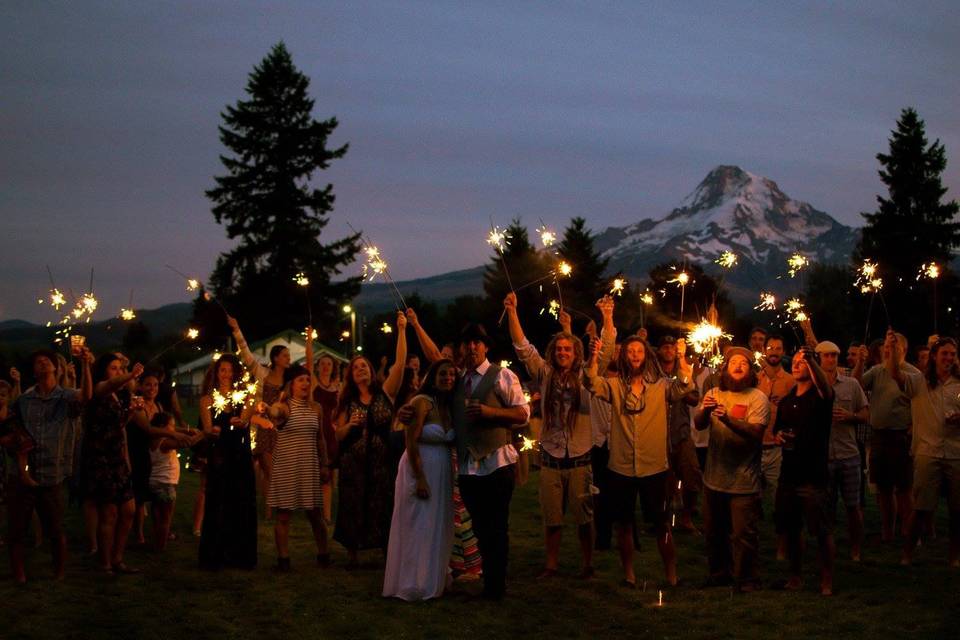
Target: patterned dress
104	467
295	483
267	438
366	485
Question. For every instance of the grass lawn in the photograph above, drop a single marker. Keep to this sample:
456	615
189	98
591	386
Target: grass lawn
172	598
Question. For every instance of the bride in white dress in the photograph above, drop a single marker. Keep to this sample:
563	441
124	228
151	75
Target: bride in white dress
421	531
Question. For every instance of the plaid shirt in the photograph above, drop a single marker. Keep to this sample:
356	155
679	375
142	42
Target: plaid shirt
52	421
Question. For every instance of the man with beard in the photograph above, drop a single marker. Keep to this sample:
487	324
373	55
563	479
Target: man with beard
850	409
891	464
757	340
736	413
488	404
685	476
639	463
936	440
565	439
802	428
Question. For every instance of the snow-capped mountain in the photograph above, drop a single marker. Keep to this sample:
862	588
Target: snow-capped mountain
735	210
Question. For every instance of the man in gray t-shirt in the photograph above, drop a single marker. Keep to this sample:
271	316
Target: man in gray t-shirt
891	465
850	409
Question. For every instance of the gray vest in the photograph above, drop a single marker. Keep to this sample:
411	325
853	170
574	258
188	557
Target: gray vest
478	437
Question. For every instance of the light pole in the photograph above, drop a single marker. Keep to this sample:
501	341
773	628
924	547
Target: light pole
350	311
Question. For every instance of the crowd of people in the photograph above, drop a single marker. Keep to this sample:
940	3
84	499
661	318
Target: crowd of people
423	465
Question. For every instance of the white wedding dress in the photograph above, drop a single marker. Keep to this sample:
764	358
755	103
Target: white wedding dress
421	531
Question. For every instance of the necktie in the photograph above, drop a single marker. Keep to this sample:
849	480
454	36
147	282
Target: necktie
468	385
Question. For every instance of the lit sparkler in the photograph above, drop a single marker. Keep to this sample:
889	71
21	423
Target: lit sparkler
797	262
768	302
57	299
553	308
301	279
564	268
127	314
705	337
505	364
682	279
646	297
794	310
868	281
547	237
528	444
616	288
193	284
727	260
386	328
930	271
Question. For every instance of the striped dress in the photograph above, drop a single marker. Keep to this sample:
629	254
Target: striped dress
295	483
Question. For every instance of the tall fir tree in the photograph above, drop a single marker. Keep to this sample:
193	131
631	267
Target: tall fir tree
586	283
911	226
267	200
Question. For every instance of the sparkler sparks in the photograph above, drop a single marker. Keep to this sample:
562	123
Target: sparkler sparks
929	270
705	336
193	284
127	314
768	302
386	328
553	308
528	444
301	279
564	269
375	265
547	237
682	279
616	288
867	279
727	260
505	364
797	262
794	310
498	239
57	299
193	333
646	297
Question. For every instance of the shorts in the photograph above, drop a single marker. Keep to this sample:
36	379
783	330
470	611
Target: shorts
652	491
566	490
891	466
21	503
844	481
685	466
929	475
163	492
806	503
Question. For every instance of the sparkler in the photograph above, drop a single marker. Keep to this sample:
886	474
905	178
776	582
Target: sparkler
682	279
195	285
727	260
505	364
302	280
386	328
547	237
796	263
931	271
192	333
528	444
705	337
127	313
794	310
768	302
869	281
616	289
376	265
553	308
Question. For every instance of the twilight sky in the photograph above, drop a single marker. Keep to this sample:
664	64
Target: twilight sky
454	112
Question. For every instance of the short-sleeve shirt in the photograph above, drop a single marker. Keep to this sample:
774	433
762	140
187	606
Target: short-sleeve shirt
847	394
810	417
889	406
775	387
733	459
932	436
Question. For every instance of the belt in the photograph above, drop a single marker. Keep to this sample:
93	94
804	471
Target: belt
547	460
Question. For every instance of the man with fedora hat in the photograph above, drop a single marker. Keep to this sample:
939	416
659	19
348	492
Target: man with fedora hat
488	405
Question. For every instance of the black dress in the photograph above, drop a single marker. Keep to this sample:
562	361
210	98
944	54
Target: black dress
229	537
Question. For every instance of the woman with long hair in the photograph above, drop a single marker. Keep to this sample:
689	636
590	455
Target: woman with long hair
421	531
300	465
229	536
271	381
325	393
364	415
107	485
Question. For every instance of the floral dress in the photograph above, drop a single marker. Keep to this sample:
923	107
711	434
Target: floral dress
105	468
366	483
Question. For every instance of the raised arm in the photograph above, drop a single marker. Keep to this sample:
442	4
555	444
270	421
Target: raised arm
256	368
527	353
105	387
427	345
513	319
596	384
892	361
823	386
309	357
86	377
391	386
809	338
608	333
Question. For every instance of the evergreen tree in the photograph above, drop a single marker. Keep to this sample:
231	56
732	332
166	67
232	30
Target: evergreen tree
701	291
587	282
912	225
267	201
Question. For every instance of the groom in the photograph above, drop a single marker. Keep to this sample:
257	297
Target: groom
488	405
